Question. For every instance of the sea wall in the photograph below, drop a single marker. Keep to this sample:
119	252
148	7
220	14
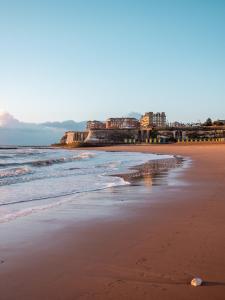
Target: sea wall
71	137
111	136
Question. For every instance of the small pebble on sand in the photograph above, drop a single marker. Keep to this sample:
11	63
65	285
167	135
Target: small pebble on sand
196	281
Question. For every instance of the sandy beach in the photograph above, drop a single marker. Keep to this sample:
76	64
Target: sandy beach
152	249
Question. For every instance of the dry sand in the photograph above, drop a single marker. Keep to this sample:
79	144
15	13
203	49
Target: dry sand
152	255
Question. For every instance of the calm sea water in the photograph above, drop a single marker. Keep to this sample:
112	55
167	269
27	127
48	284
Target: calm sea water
33	180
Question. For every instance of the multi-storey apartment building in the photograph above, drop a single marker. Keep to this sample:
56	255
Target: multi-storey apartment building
122	123
159	119
146	120
95	125
150	119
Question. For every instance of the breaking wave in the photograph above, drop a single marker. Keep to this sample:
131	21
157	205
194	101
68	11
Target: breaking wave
14	172
49	162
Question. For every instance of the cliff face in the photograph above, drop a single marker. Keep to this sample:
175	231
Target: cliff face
111	136
63	140
100	136
121	136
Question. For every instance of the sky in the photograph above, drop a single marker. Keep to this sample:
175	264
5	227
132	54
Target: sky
92	59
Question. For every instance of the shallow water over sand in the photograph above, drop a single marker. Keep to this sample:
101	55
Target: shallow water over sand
33	180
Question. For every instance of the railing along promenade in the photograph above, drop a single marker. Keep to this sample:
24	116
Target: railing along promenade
179	141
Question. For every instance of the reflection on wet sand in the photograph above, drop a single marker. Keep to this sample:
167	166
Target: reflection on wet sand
147	180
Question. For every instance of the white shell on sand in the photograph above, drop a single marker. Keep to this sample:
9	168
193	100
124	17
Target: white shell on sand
196	281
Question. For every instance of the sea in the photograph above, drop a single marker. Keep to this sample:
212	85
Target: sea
37	179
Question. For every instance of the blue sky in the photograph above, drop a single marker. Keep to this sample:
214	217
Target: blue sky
94	59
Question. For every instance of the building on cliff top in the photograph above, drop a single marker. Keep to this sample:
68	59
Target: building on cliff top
122	123
91	125
150	119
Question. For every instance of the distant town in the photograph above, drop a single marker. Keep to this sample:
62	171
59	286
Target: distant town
150	128
148	120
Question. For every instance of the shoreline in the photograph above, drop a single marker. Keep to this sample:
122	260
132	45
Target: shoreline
150	251
150	167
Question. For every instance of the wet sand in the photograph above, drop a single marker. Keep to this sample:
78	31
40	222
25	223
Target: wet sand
150	251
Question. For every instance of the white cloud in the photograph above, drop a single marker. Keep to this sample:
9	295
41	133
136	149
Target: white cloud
14	132
7	120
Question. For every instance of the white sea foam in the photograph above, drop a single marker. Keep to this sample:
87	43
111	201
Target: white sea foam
112	165
85	155
14	172
6	216
120	182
